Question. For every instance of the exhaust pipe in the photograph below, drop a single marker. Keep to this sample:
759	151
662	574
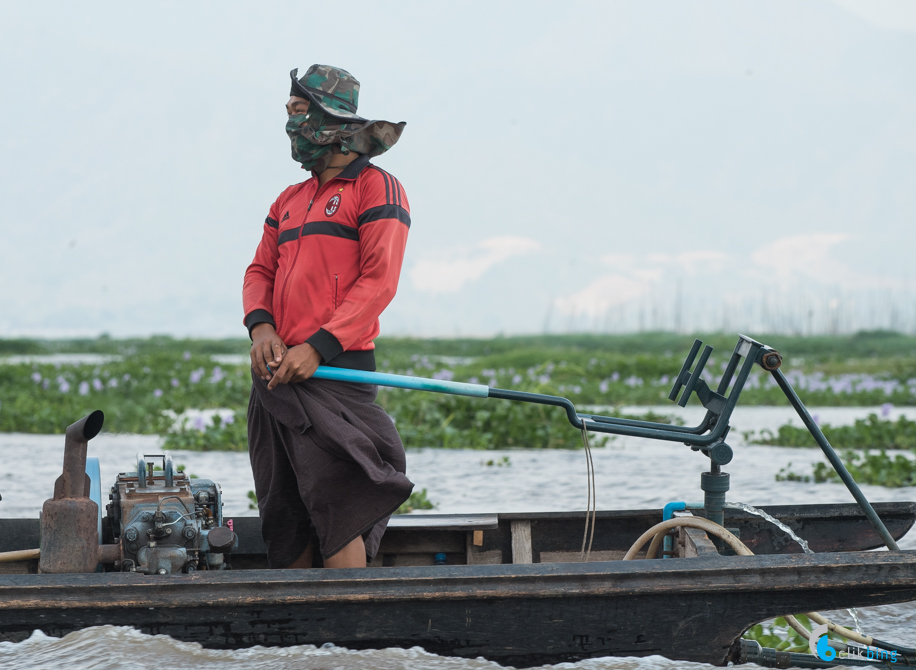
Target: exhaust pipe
69	521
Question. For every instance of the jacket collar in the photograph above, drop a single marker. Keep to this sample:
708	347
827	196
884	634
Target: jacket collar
353	169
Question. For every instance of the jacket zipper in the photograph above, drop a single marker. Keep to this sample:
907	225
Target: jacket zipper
285	293
335	292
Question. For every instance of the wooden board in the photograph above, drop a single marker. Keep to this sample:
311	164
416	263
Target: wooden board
428	522
521	541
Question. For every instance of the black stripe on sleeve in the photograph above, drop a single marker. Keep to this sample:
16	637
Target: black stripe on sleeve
353	360
398	186
257	316
325	344
384	212
287	236
273	223
387	190
330	228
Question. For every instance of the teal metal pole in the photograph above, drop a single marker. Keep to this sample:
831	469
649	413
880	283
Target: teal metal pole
835	461
402	381
655	431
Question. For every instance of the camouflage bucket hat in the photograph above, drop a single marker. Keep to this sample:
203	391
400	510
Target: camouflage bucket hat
333	89
336	92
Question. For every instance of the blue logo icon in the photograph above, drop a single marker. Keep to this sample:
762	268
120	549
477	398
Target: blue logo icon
819	644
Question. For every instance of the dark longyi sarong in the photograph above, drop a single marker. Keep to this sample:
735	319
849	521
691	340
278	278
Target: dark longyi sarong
324	457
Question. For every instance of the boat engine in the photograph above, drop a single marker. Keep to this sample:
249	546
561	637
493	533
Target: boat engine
166	522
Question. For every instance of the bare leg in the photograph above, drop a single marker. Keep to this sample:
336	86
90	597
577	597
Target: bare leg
351	556
304	560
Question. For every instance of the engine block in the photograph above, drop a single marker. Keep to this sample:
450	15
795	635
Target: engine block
167	522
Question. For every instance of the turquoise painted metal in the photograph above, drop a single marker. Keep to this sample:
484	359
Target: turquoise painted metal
402	382
668	513
95	487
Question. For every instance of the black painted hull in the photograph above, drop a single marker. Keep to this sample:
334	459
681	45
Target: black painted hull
547	611
523	615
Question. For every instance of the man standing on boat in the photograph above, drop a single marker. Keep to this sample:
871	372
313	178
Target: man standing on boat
328	463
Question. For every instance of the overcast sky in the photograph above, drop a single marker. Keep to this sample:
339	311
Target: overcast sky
570	166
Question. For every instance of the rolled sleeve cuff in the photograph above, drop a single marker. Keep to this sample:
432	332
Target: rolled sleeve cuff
325	344
258	316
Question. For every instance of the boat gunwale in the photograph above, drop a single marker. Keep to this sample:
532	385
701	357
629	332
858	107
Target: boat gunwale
852	571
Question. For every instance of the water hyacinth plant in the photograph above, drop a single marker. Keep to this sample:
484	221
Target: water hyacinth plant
133	392
417	500
866	467
777	634
139	380
427	420
222	433
503	462
869	433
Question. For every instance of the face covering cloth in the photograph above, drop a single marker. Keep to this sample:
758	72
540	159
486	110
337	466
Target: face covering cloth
314	134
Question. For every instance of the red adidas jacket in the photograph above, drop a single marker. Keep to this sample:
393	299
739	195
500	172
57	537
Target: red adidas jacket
329	261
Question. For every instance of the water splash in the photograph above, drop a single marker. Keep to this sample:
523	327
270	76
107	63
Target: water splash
750	509
854	613
773	520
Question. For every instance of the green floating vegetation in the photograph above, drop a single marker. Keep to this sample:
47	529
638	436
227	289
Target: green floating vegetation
503	462
229	434
865	467
786	435
180	467
417	500
786	474
870	433
655	417
134	392
142	384
778	635
455	422
438	421
432	421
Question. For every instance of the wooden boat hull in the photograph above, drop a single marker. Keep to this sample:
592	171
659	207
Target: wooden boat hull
518	603
523	615
557	536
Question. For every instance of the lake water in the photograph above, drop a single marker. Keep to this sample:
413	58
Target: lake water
630	473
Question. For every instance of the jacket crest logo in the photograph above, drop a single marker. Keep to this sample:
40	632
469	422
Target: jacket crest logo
333	205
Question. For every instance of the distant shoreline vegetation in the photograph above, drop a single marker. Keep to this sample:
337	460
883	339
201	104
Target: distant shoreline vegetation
866	467
870	433
864	445
142	384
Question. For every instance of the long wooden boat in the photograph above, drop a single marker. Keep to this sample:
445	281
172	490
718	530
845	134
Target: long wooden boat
512	587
